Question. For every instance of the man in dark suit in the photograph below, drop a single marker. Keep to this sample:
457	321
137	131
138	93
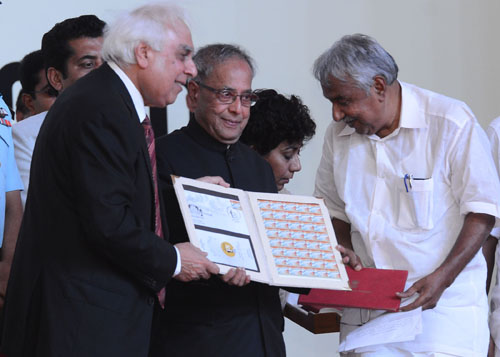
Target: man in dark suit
226	316
88	265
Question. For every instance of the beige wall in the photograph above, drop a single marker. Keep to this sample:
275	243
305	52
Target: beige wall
449	46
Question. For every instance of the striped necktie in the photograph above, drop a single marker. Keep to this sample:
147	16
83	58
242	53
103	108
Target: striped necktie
150	141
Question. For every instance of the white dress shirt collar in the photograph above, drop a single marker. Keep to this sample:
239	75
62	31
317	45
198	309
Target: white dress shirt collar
132	90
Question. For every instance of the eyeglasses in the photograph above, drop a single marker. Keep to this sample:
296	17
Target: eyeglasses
47	89
228	96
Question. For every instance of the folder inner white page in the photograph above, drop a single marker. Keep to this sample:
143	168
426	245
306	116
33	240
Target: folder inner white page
216	223
298	237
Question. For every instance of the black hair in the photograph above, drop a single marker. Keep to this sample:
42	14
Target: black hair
55	43
29	72
20	107
276	118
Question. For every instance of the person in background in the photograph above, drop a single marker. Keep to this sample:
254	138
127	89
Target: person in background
70	50
21	111
277	129
11	210
491	250
37	94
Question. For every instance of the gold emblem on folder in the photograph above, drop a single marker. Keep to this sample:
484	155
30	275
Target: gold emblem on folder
228	249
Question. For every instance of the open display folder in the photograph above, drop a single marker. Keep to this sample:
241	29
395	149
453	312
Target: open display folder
371	289
281	240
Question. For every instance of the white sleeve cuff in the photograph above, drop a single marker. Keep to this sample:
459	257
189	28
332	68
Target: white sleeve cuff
179	265
480	207
495	232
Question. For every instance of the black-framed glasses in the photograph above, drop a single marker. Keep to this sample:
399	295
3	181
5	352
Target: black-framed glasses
47	89
228	96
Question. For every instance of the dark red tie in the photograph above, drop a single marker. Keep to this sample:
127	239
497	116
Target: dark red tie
150	141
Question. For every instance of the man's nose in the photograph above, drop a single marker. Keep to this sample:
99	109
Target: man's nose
190	69
337	113
235	107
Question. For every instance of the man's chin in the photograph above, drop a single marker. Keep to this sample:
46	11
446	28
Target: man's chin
172	98
361	129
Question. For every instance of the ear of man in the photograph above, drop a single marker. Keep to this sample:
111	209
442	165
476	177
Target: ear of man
55	78
380	87
143	55
27	100
192	95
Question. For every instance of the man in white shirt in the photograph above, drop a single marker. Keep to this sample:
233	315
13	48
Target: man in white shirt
71	49
410	184
37	95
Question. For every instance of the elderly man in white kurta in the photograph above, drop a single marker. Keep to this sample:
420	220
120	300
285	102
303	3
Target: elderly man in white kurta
410	184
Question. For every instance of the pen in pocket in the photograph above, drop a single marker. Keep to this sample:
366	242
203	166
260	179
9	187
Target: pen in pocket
407	179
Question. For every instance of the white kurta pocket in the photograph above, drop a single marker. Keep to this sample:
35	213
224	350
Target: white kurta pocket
416	205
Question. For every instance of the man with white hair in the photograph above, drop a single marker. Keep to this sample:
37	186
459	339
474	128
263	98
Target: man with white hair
90	259
410	184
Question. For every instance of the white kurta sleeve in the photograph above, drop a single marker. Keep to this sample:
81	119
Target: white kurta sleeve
493	136
325	184
474	179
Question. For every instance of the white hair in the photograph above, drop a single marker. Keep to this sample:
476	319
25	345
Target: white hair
147	24
358	57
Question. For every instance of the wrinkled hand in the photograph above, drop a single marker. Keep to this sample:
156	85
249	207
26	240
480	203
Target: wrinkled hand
194	264
236	277
217	180
349	257
429	288
4	278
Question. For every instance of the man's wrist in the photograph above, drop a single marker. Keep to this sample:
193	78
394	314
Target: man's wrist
178	266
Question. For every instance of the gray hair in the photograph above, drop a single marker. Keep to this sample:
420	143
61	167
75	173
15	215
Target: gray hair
210	56
147	24
357	57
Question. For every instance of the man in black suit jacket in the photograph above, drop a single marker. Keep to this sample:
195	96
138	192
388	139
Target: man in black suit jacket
88	267
226	316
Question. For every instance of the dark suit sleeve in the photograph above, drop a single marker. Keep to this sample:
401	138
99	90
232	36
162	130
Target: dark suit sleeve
176	225
114	197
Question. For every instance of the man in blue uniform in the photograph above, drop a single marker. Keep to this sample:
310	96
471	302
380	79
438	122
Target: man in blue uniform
11	211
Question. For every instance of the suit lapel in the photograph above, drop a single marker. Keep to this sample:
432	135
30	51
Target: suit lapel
122	90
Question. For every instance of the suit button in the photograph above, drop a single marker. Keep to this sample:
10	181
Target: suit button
151	301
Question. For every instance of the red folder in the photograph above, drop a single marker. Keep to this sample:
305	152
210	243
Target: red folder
371	289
